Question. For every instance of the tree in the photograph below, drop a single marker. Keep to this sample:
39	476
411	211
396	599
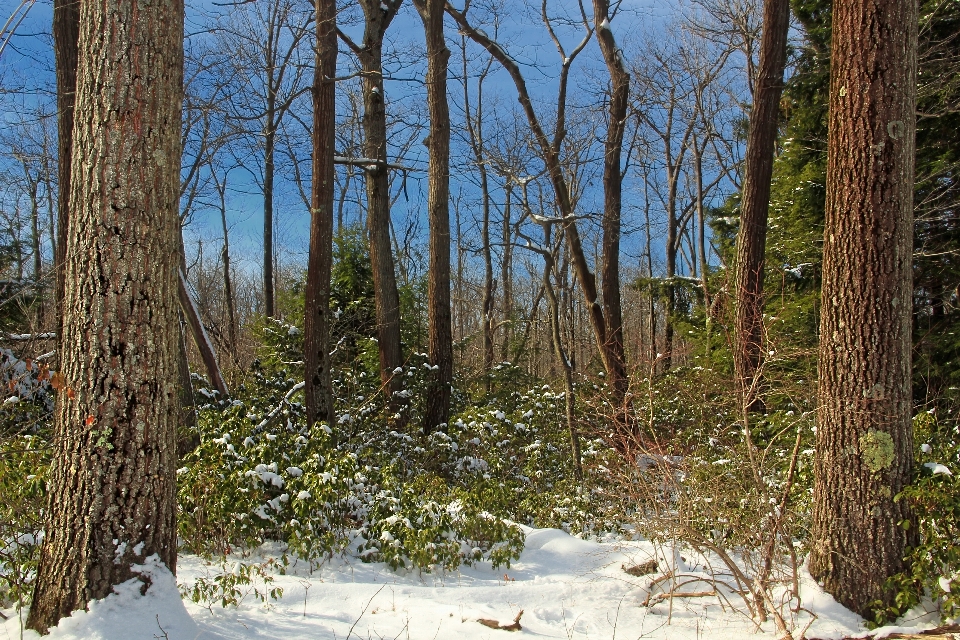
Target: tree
66	27
673	81
473	121
377	18
613	200
318	386
267	38
551	151
112	484
864	434
438	284
752	237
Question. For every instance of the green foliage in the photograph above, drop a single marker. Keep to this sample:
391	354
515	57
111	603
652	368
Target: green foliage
352	301
934	558
417	524
259	474
24	460
231	586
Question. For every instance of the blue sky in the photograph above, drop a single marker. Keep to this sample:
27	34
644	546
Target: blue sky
27	65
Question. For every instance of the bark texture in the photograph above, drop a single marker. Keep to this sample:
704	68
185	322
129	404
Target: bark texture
864	434
318	387
112	485
66	29
758	169
437	411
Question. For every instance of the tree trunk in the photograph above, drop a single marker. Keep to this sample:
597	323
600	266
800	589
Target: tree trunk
864	431
227	278
34	186
318	387
112	484
475	130
758	168
556	341
702	241
269	151
506	275
66	30
378	15
440	338
200	337
488	281
612	205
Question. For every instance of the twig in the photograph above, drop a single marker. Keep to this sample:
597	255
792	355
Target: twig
165	635
665	595
364	611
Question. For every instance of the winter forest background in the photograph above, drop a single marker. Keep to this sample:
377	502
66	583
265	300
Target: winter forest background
631	340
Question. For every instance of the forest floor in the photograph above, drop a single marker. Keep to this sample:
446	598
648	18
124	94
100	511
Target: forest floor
565	587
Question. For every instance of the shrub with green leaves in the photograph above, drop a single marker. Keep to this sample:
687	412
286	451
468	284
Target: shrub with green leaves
934	498
24	460
260	474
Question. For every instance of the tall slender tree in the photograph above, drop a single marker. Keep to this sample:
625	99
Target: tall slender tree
864	434
758	169
267	40
613	201
551	150
378	14
112	484
440	331
318	381
66	29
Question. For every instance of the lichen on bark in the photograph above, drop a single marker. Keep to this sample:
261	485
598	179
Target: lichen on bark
877	450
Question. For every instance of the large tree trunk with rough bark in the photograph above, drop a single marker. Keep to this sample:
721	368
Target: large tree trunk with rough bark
864	434
758	169
318	388
112	485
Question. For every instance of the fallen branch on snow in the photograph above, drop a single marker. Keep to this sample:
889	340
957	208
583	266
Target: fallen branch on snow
494	624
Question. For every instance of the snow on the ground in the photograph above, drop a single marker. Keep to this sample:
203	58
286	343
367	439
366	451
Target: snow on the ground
567	588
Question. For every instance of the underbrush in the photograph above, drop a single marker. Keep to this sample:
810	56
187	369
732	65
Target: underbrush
373	485
737	486
700	475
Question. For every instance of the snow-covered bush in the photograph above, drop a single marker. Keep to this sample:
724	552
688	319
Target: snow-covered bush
260	474
934	498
